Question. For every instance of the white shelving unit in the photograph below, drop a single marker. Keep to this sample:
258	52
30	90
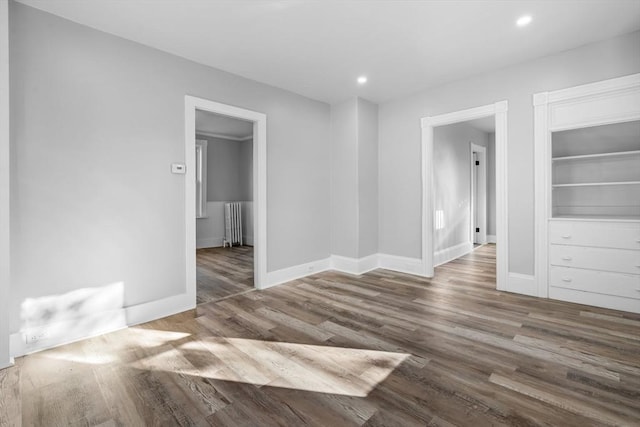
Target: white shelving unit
588	191
595	171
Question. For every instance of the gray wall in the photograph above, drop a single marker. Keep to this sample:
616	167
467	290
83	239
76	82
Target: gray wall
229	169
452	181
400	165
246	164
97	120
344	179
354	178
367	177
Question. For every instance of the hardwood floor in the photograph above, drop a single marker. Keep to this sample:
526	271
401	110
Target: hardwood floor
382	349
222	272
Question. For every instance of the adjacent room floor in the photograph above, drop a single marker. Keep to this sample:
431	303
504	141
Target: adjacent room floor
223	272
382	349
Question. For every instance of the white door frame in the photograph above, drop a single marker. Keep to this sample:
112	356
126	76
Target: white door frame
259	185
5	166
499	112
478	204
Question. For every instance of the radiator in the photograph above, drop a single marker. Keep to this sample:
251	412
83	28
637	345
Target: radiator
233	224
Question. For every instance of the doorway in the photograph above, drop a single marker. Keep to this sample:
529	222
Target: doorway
224	206
479	165
243	266
432	218
461	187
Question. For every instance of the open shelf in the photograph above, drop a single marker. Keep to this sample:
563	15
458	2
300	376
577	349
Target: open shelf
595	172
596	217
597	155
595	184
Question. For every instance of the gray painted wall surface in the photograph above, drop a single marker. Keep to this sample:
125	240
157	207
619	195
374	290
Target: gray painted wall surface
229	169
452	181
97	120
367	177
491	185
344	179
246	165
354	178
400	164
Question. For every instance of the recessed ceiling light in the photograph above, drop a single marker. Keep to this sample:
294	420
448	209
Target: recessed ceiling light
523	21
362	80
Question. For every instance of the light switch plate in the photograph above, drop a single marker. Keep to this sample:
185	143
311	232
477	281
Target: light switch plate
179	168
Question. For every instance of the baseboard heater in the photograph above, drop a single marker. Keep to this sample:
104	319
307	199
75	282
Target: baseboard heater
233	224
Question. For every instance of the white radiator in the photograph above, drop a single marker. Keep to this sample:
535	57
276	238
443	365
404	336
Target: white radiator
233	224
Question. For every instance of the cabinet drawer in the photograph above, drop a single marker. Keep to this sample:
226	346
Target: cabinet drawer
601	282
614	260
599	234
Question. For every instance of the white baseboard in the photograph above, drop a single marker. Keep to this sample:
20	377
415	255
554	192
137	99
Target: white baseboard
451	253
401	264
91	325
67	331
492	238
8	364
296	272
218	242
109	321
524	284
355	266
209	242
146	312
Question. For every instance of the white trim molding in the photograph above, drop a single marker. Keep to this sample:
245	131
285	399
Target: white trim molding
445	255
491	238
497	110
600	103
524	284
107	321
5	177
300	271
261	277
223	136
210	242
401	264
354	266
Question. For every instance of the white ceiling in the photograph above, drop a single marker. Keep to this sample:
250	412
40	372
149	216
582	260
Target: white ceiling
318	48
222	126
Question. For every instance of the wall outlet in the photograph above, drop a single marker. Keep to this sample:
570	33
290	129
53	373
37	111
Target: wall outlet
35	336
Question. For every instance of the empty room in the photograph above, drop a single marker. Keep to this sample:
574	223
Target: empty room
327	213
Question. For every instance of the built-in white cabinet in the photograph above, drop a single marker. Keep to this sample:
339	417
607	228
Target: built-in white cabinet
588	194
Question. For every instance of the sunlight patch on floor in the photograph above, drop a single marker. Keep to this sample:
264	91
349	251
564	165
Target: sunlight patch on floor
143	337
323	369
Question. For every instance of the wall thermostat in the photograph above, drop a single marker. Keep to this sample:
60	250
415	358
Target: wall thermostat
180	168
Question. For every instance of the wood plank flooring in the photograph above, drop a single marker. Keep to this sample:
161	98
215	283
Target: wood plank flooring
222	272
382	349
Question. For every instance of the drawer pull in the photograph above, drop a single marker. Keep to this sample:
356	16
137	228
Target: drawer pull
566	236
568	258
567	279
